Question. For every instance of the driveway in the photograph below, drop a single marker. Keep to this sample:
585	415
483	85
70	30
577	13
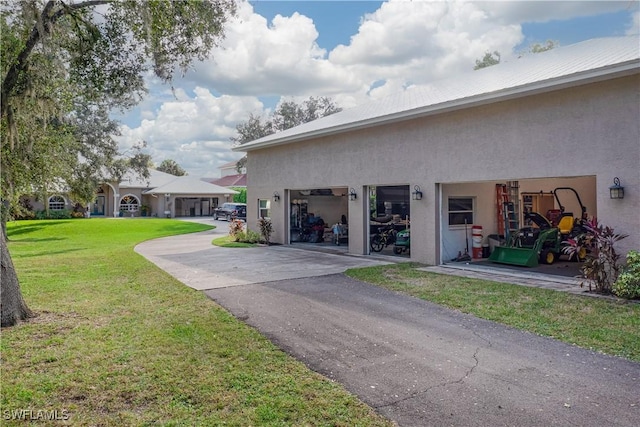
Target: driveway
415	362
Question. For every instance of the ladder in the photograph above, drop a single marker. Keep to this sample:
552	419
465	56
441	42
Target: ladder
508	208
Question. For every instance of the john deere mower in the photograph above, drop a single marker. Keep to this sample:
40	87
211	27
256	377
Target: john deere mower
529	245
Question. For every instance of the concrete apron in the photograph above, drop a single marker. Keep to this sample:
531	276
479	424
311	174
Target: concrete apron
194	261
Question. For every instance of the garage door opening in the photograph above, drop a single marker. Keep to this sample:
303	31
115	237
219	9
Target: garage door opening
498	212
389	220
319	216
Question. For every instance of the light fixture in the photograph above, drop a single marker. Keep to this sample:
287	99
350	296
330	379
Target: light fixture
417	194
616	191
352	194
276	196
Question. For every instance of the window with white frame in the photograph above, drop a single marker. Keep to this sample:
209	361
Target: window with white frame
129	203
460	211
264	208
56	203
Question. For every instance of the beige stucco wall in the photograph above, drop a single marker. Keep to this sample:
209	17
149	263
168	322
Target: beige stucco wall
591	130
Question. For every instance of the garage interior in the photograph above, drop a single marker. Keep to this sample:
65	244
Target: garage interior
494	211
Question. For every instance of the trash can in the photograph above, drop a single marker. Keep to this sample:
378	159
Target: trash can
486	250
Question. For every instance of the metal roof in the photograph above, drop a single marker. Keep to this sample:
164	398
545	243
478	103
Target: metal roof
190	185
573	65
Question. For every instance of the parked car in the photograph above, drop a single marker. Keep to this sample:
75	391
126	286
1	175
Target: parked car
231	211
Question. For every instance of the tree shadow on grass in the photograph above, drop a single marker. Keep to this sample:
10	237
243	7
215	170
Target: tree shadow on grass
19	229
49	253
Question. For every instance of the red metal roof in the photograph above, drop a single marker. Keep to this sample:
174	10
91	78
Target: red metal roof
239	180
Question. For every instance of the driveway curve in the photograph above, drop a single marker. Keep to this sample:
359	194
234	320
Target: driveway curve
415	362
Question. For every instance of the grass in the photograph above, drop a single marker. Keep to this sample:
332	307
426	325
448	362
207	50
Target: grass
606	326
227	242
120	342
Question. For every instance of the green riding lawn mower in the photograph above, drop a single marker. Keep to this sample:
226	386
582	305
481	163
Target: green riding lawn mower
542	242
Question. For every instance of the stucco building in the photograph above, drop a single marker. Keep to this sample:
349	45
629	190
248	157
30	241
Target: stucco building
438	155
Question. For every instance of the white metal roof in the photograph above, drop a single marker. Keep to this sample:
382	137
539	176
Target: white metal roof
573	65
190	185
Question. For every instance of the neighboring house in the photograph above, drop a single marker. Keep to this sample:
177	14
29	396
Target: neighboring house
162	195
439	154
231	168
239	180
229	176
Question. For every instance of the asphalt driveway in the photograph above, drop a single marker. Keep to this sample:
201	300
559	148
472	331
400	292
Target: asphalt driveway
417	363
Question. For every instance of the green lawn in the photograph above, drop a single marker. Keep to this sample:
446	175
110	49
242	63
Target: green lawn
120	342
611	327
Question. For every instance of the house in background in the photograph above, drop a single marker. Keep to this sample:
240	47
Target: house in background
229	176
161	195
445	156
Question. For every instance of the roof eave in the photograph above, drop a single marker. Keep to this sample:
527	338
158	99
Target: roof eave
578	79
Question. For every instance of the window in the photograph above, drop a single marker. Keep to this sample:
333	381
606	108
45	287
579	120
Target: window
129	203
264	208
460	210
56	203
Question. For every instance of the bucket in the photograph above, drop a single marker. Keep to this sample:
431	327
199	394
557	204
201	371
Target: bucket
476	238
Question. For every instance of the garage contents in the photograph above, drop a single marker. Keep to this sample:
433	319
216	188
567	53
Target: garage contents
340	231
530	244
403	242
463	257
476	238
385	236
568	225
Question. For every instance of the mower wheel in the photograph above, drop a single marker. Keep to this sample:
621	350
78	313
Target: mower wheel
547	257
397	250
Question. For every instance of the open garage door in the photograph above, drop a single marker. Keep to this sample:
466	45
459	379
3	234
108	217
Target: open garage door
389	220
313	213
494	210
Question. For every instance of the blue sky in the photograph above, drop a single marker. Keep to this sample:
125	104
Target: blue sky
351	51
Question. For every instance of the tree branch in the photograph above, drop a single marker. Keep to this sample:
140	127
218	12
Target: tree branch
47	19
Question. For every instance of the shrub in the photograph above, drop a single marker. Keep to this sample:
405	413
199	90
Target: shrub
235	226
249	236
628	283
266	229
601	267
61	214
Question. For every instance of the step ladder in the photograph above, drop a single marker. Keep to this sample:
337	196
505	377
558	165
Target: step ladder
508	208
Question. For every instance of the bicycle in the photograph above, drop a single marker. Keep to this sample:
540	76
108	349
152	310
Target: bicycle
384	237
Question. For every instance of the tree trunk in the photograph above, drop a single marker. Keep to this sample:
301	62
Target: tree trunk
12	305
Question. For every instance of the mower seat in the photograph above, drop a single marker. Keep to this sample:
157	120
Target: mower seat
565	226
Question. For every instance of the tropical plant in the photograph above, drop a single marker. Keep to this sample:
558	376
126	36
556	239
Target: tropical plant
601	268
266	229
236	226
628	283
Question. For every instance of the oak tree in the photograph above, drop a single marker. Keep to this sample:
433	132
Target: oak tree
65	65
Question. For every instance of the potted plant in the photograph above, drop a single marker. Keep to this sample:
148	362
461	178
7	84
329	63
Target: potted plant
145	210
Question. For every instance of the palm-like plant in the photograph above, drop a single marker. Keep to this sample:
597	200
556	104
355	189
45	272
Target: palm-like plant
601	268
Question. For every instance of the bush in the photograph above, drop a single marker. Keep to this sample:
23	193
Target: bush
266	229
601	267
249	236
61	214
236	226
628	283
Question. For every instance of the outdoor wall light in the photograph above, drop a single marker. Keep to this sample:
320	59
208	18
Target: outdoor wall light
417	194
276	196
352	194
616	191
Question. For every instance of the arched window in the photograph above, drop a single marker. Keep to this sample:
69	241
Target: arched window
129	203
56	203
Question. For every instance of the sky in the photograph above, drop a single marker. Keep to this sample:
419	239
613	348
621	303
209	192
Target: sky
350	51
